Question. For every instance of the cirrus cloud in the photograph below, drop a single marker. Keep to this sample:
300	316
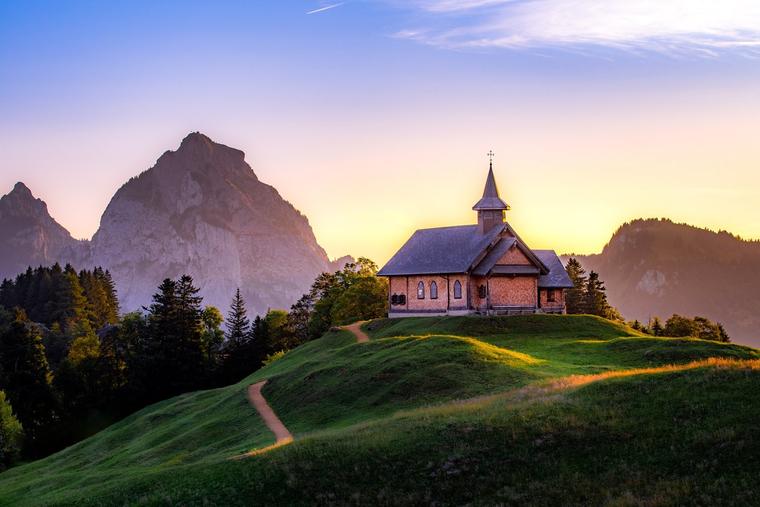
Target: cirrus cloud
667	26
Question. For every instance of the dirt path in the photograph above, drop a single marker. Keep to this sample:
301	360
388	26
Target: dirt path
356	328
273	422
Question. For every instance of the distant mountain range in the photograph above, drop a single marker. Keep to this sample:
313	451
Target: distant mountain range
657	267
199	210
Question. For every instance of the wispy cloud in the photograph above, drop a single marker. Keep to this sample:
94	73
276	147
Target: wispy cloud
668	26
325	8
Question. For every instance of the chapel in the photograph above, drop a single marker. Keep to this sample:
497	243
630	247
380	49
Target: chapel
483	268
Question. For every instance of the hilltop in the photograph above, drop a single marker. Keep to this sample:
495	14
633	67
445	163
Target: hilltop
658	268
450	410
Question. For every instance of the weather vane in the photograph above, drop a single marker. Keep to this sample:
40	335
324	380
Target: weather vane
490	157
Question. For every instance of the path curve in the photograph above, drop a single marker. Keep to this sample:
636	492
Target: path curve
273	422
356	328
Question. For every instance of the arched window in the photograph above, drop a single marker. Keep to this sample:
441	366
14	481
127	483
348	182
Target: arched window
457	290
420	290
433	290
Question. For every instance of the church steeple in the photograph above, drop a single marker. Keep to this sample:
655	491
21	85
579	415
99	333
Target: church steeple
490	207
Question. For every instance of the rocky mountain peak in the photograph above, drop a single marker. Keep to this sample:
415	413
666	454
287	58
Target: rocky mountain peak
29	235
21	190
197	152
20	202
201	210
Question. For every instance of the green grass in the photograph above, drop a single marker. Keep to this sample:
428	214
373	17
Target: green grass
383	422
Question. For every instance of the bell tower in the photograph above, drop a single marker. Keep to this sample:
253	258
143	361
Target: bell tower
491	208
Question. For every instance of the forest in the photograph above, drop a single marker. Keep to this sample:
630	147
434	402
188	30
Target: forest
71	363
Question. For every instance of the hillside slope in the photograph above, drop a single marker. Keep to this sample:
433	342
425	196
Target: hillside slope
657	267
362	412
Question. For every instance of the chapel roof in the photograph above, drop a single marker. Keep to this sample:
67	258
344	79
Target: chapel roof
440	250
557	278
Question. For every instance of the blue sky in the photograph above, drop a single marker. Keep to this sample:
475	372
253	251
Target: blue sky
375	116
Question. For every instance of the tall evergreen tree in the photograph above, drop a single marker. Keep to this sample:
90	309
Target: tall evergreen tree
240	353
575	300
175	352
656	328
238	325
260	340
595	297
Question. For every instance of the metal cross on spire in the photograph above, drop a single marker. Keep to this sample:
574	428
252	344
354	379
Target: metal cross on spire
490	158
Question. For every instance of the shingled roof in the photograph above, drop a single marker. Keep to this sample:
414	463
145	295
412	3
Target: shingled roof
439	251
557	278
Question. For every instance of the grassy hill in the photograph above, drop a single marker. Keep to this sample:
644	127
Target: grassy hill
534	409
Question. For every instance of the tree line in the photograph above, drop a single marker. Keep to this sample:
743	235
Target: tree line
70	364
588	296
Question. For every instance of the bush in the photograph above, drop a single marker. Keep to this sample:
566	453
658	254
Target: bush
271	358
11	433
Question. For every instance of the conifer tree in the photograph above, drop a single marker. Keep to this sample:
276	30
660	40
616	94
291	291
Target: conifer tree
575	300
656	327
241	355
175	352
238	325
260	340
595	299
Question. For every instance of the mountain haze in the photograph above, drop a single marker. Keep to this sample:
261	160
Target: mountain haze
657	268
199	210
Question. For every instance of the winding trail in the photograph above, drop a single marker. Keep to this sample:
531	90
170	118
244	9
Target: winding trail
356	328
281	433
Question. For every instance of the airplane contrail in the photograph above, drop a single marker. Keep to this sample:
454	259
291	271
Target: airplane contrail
326	8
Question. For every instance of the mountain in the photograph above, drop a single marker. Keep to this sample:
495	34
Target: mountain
526	410
199	210
657	267
29	236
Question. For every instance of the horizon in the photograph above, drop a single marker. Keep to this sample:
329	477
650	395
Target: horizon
359	104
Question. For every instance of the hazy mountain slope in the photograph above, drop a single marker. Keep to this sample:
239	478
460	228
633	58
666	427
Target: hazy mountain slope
29	236
201	210
657	267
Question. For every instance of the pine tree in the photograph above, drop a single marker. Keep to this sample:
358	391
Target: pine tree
175	350
238	326
595	299
69	307
656	327
260	340
575	301
111	310
160	350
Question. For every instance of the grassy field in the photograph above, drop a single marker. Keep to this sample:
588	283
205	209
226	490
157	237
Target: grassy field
441	410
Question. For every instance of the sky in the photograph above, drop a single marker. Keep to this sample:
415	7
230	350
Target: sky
374	117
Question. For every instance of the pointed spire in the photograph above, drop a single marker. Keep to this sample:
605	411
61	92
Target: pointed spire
490	199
